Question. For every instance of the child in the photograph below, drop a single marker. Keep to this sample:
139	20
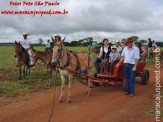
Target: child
113	58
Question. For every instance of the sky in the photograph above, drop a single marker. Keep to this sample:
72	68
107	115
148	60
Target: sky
112	19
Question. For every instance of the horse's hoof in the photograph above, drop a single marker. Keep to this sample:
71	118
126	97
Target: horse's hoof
68	102
59	101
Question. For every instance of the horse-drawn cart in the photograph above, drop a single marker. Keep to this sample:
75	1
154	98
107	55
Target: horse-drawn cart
118	75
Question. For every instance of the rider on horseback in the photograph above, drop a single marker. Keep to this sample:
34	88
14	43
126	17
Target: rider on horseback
27	44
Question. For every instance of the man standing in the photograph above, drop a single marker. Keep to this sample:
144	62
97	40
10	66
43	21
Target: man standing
149	47
104	53
130	55
27	44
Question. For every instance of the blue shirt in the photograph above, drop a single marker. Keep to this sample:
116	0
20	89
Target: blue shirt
114	55
130	55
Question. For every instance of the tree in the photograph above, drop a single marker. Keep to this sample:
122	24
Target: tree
88	39
143	41
81	41
123	40
135	38
40	41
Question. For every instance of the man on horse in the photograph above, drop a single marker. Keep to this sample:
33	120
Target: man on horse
26	44
149	47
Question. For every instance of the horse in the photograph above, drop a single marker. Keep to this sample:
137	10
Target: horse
23	59
155	52
45	57
94	50
77	61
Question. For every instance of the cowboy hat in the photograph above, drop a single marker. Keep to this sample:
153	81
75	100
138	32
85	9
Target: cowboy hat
129	40
25	34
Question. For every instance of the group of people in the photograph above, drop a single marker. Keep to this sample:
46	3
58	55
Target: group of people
128	52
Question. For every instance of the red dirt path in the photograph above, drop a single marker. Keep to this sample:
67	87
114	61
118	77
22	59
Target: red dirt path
108	104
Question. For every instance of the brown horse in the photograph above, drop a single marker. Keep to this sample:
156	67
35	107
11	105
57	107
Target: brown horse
155	52
94	50
45	57
23	59
80	61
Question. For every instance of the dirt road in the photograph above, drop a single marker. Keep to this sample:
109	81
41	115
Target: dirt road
108	104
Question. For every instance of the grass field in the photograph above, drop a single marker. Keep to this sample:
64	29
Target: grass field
36	81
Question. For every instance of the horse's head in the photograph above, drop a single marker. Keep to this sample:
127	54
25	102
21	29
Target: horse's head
18	47
58	51
34	56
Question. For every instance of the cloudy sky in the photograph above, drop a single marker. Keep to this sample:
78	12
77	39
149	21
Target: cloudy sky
113	19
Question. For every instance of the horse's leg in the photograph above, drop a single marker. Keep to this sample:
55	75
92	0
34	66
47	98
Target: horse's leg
69	88
29	70
62	88
89	84
20	72
24	71
49	76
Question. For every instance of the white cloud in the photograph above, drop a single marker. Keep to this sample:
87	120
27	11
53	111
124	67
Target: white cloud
114	19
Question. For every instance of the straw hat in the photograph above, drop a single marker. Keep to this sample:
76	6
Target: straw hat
129	40
117	41
57	35
25	34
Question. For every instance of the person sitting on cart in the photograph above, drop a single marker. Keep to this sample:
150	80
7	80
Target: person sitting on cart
114	57
104	53
119	49
123	45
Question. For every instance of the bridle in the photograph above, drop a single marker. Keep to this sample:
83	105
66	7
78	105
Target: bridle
18	50
34	58
60	50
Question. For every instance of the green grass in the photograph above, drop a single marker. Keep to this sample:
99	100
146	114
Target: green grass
35	82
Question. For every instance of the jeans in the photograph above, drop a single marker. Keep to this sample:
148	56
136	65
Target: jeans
111	65
140	58
149	51
97	61
130	78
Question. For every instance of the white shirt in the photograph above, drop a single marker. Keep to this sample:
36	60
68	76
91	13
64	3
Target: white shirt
130	55
114	55
119	49
25	43
105	49
48	44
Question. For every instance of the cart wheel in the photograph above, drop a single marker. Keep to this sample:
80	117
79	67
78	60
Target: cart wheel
124	85
145	77
94	83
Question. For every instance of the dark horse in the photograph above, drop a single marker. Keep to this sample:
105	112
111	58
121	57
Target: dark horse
46	58
23	59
